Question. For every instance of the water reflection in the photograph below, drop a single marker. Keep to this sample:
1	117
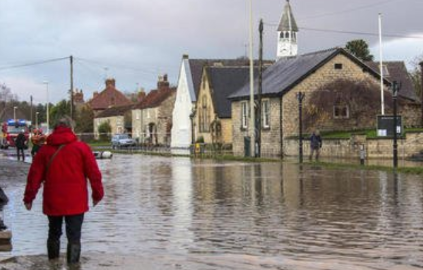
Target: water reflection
225	215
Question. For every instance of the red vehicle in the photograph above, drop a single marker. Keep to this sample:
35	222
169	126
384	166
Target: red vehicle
10	131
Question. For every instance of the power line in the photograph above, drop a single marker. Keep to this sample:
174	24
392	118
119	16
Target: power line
34	63
103	64
348	10
352	32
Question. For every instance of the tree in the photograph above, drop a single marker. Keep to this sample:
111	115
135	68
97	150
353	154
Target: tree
84	120
360	49
104	129
59	110
416	75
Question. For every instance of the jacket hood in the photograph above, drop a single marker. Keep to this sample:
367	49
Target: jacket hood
61	135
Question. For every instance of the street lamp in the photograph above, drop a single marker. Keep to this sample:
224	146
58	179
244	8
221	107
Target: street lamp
300	97
14	113
47	111
36	119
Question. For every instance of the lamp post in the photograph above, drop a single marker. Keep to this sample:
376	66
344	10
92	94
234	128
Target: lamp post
395	89
47	108
36	119
300	97
14	113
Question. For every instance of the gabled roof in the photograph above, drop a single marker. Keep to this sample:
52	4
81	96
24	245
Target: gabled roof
397	71
154	98
115	111
287	22
110	96
288	72
196	67
223	82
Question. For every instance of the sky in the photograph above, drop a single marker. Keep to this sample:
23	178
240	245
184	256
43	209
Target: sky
135	41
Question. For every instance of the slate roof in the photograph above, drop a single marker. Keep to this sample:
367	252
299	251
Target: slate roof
110	96
398	72
223	82
154	98
287	22
288	72
115	111
196	66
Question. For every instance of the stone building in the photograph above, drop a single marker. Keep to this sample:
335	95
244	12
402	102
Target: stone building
323	75
152	116
119	119
212	117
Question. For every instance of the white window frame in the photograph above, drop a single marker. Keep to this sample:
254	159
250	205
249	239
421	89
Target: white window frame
341	107
244	114
265	113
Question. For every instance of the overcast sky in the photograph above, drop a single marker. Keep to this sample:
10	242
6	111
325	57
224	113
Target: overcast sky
135	41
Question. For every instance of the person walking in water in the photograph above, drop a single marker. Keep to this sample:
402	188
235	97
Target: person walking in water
20	144
63	166
315	145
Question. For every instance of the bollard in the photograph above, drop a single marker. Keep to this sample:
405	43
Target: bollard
362	154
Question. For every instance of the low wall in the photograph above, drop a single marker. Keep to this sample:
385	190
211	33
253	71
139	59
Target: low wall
408	145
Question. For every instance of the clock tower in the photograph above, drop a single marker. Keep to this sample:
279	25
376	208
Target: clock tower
287	34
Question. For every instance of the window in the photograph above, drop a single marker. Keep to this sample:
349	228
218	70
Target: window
138	114
338	66
204	116
265	112
341	112
244	114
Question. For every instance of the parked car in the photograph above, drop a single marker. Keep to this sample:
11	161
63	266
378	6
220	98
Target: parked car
122	140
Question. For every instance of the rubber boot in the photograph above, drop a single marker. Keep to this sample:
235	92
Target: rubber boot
53	249
73	253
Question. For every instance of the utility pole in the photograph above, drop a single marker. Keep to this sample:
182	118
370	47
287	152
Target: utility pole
32	120
300	97
260	90
71	88
252	121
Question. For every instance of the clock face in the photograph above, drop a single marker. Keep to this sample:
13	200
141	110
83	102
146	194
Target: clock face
284	48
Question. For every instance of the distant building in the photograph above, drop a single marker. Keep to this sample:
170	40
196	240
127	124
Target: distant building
118	117
109	97
152	116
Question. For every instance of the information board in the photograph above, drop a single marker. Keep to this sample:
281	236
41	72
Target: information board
385	125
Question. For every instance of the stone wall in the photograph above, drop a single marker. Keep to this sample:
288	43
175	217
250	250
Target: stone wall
408	145
164	119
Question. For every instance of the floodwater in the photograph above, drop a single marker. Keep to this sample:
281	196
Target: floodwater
203	214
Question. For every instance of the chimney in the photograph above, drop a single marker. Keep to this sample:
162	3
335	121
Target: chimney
141	96
95	94
421	92
185	56
78	96
162	83
110	82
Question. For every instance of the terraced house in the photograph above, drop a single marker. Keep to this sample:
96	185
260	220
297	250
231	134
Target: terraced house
152	117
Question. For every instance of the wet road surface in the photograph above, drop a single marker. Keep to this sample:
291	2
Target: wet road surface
177	213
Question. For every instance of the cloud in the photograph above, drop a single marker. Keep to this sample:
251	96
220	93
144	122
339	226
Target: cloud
138	39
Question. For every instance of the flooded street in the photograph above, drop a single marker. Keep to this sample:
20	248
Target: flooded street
203	214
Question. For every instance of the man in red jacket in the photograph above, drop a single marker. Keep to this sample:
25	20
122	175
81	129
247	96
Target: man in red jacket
63	166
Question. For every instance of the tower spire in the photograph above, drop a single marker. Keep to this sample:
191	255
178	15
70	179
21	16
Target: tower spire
287	34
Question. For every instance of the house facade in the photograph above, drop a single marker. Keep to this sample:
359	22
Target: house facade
189	83
152	117
119	119
213	122
332	81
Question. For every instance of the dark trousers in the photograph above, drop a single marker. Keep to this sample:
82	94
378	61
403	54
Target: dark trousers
73	228
19	151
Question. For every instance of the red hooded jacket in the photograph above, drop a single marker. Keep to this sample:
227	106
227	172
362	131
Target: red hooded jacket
65	182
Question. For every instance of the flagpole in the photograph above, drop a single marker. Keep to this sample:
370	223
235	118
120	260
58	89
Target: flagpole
381	66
